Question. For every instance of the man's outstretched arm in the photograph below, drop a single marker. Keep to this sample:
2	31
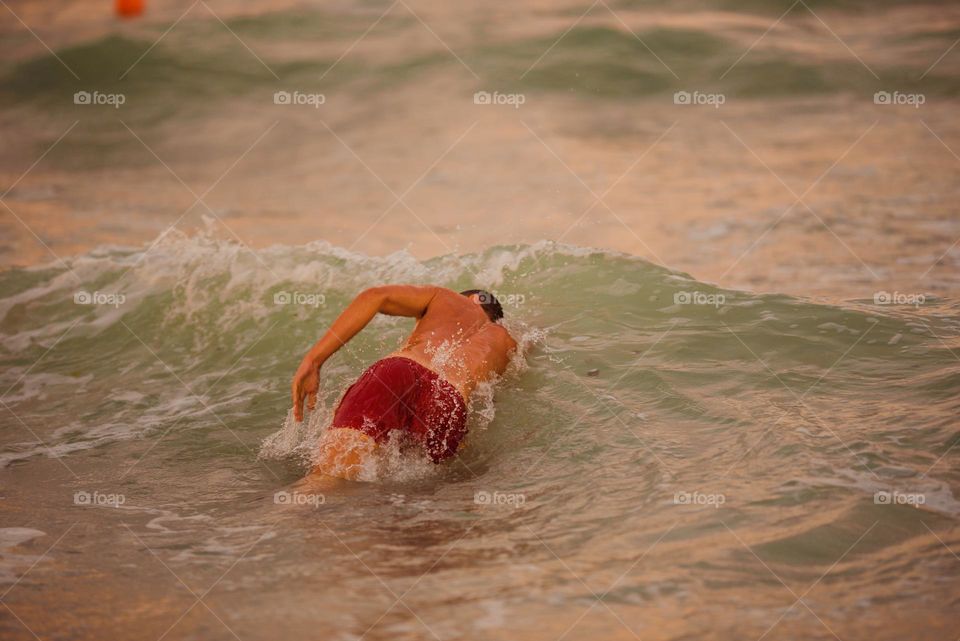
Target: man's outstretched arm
394	300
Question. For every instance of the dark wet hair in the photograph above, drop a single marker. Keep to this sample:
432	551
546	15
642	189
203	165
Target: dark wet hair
488	302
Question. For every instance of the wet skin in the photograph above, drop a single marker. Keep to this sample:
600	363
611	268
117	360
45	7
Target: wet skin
453	337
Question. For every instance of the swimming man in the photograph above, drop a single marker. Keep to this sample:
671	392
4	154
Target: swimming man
422	388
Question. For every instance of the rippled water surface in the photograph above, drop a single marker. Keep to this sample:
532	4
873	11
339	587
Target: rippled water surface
742	424
652	468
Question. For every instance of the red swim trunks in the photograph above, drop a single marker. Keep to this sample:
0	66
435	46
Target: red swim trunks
397	393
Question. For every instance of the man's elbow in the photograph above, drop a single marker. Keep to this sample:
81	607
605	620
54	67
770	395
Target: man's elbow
372	297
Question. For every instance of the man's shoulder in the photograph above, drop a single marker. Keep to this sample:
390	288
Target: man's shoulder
500	333
444	292
448	297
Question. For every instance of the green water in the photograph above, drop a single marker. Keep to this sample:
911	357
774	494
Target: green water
737	438
665	460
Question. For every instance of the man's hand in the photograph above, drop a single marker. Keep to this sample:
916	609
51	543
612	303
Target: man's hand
306	383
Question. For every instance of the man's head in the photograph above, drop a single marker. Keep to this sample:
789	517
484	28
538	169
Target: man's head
487	301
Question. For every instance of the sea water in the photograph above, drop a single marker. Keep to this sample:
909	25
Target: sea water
663	459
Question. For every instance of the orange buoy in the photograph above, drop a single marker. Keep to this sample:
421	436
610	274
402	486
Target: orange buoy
129	8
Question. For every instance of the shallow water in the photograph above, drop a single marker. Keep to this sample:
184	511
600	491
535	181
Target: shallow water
668	459
597	155
649	468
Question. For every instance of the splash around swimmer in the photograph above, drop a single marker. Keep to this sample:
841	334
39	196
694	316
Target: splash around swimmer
422	389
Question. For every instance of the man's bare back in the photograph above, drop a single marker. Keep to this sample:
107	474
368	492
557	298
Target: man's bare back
457	340
421	388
